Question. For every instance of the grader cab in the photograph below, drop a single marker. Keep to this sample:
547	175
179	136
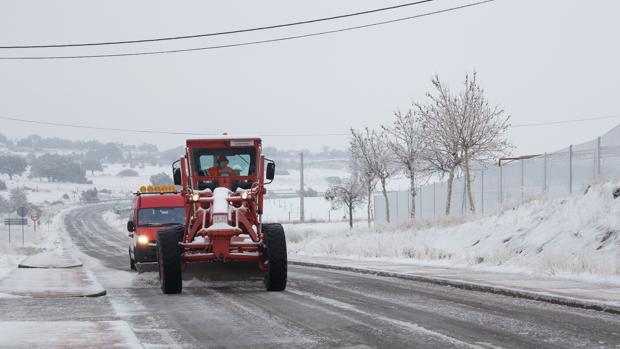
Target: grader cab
223	184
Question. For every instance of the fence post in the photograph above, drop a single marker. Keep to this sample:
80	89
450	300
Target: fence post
420	210
464	199
544	173
434	200
522	180
482	192
500	193
598	157
570	169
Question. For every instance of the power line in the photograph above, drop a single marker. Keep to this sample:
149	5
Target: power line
248	43
185	133
237	31
566	121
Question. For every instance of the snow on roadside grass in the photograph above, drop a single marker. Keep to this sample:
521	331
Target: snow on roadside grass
118	222
576	236
46	238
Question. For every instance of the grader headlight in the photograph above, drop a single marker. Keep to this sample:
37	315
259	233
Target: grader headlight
244	195
195	197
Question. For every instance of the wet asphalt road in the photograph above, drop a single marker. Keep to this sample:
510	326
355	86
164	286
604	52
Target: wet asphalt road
320	308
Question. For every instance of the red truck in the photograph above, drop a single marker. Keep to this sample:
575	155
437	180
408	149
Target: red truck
153	207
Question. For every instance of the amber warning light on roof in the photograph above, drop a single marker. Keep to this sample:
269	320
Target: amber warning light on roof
161	189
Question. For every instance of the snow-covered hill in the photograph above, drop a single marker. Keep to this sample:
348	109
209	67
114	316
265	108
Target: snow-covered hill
577	236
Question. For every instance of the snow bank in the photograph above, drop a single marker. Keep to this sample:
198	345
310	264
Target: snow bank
572	237
118	222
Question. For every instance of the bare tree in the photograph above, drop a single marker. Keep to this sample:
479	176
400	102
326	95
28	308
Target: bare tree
377	155
481	129
362	165
407	146
438	118
348	193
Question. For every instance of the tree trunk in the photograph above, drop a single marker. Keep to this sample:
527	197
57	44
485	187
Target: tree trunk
470	196
351	216
413	194
369	207
387	202
449	198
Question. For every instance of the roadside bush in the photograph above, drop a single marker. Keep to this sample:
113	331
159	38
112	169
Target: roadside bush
128	173
161	179
17	198
5	207
90	195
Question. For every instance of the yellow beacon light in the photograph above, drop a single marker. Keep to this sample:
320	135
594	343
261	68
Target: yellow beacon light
161	189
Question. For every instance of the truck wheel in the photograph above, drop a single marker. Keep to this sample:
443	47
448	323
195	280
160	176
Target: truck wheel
169	259
275	243
132	262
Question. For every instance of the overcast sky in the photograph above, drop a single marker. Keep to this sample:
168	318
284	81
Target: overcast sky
540	60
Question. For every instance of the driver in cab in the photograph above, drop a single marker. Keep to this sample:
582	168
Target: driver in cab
221	168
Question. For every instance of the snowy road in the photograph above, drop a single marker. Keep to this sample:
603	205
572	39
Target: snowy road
320	308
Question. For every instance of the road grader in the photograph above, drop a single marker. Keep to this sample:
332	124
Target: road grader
222	181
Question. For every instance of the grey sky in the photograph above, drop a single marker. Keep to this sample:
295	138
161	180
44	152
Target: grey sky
541	60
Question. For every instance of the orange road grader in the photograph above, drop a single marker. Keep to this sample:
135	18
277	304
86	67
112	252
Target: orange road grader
223	184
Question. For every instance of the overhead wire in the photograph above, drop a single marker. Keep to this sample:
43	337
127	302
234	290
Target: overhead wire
236	31
248	43
334	134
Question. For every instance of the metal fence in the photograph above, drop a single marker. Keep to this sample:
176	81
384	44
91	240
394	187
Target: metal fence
556	174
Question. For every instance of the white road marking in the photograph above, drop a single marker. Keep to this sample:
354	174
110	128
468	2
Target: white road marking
408	325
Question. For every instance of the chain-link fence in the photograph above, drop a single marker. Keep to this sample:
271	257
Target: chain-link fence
560	173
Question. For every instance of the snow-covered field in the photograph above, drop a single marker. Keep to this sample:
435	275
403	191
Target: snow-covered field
575	237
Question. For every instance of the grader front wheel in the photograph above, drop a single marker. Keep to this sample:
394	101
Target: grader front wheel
275	243
169	259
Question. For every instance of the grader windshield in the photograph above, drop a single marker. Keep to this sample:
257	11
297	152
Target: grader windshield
228	163
225	162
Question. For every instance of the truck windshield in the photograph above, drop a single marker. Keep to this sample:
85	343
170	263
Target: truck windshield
160	216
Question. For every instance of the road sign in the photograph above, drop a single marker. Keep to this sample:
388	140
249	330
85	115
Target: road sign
22	211
35	217
15	221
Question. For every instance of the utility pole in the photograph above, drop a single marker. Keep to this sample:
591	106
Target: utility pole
301	188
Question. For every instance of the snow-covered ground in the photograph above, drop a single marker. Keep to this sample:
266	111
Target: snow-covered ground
575	237
45	238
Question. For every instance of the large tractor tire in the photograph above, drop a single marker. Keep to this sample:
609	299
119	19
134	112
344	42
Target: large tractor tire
169	259
275	248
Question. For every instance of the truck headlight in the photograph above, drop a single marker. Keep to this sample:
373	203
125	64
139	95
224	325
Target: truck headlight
195	197
143	240
244	195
